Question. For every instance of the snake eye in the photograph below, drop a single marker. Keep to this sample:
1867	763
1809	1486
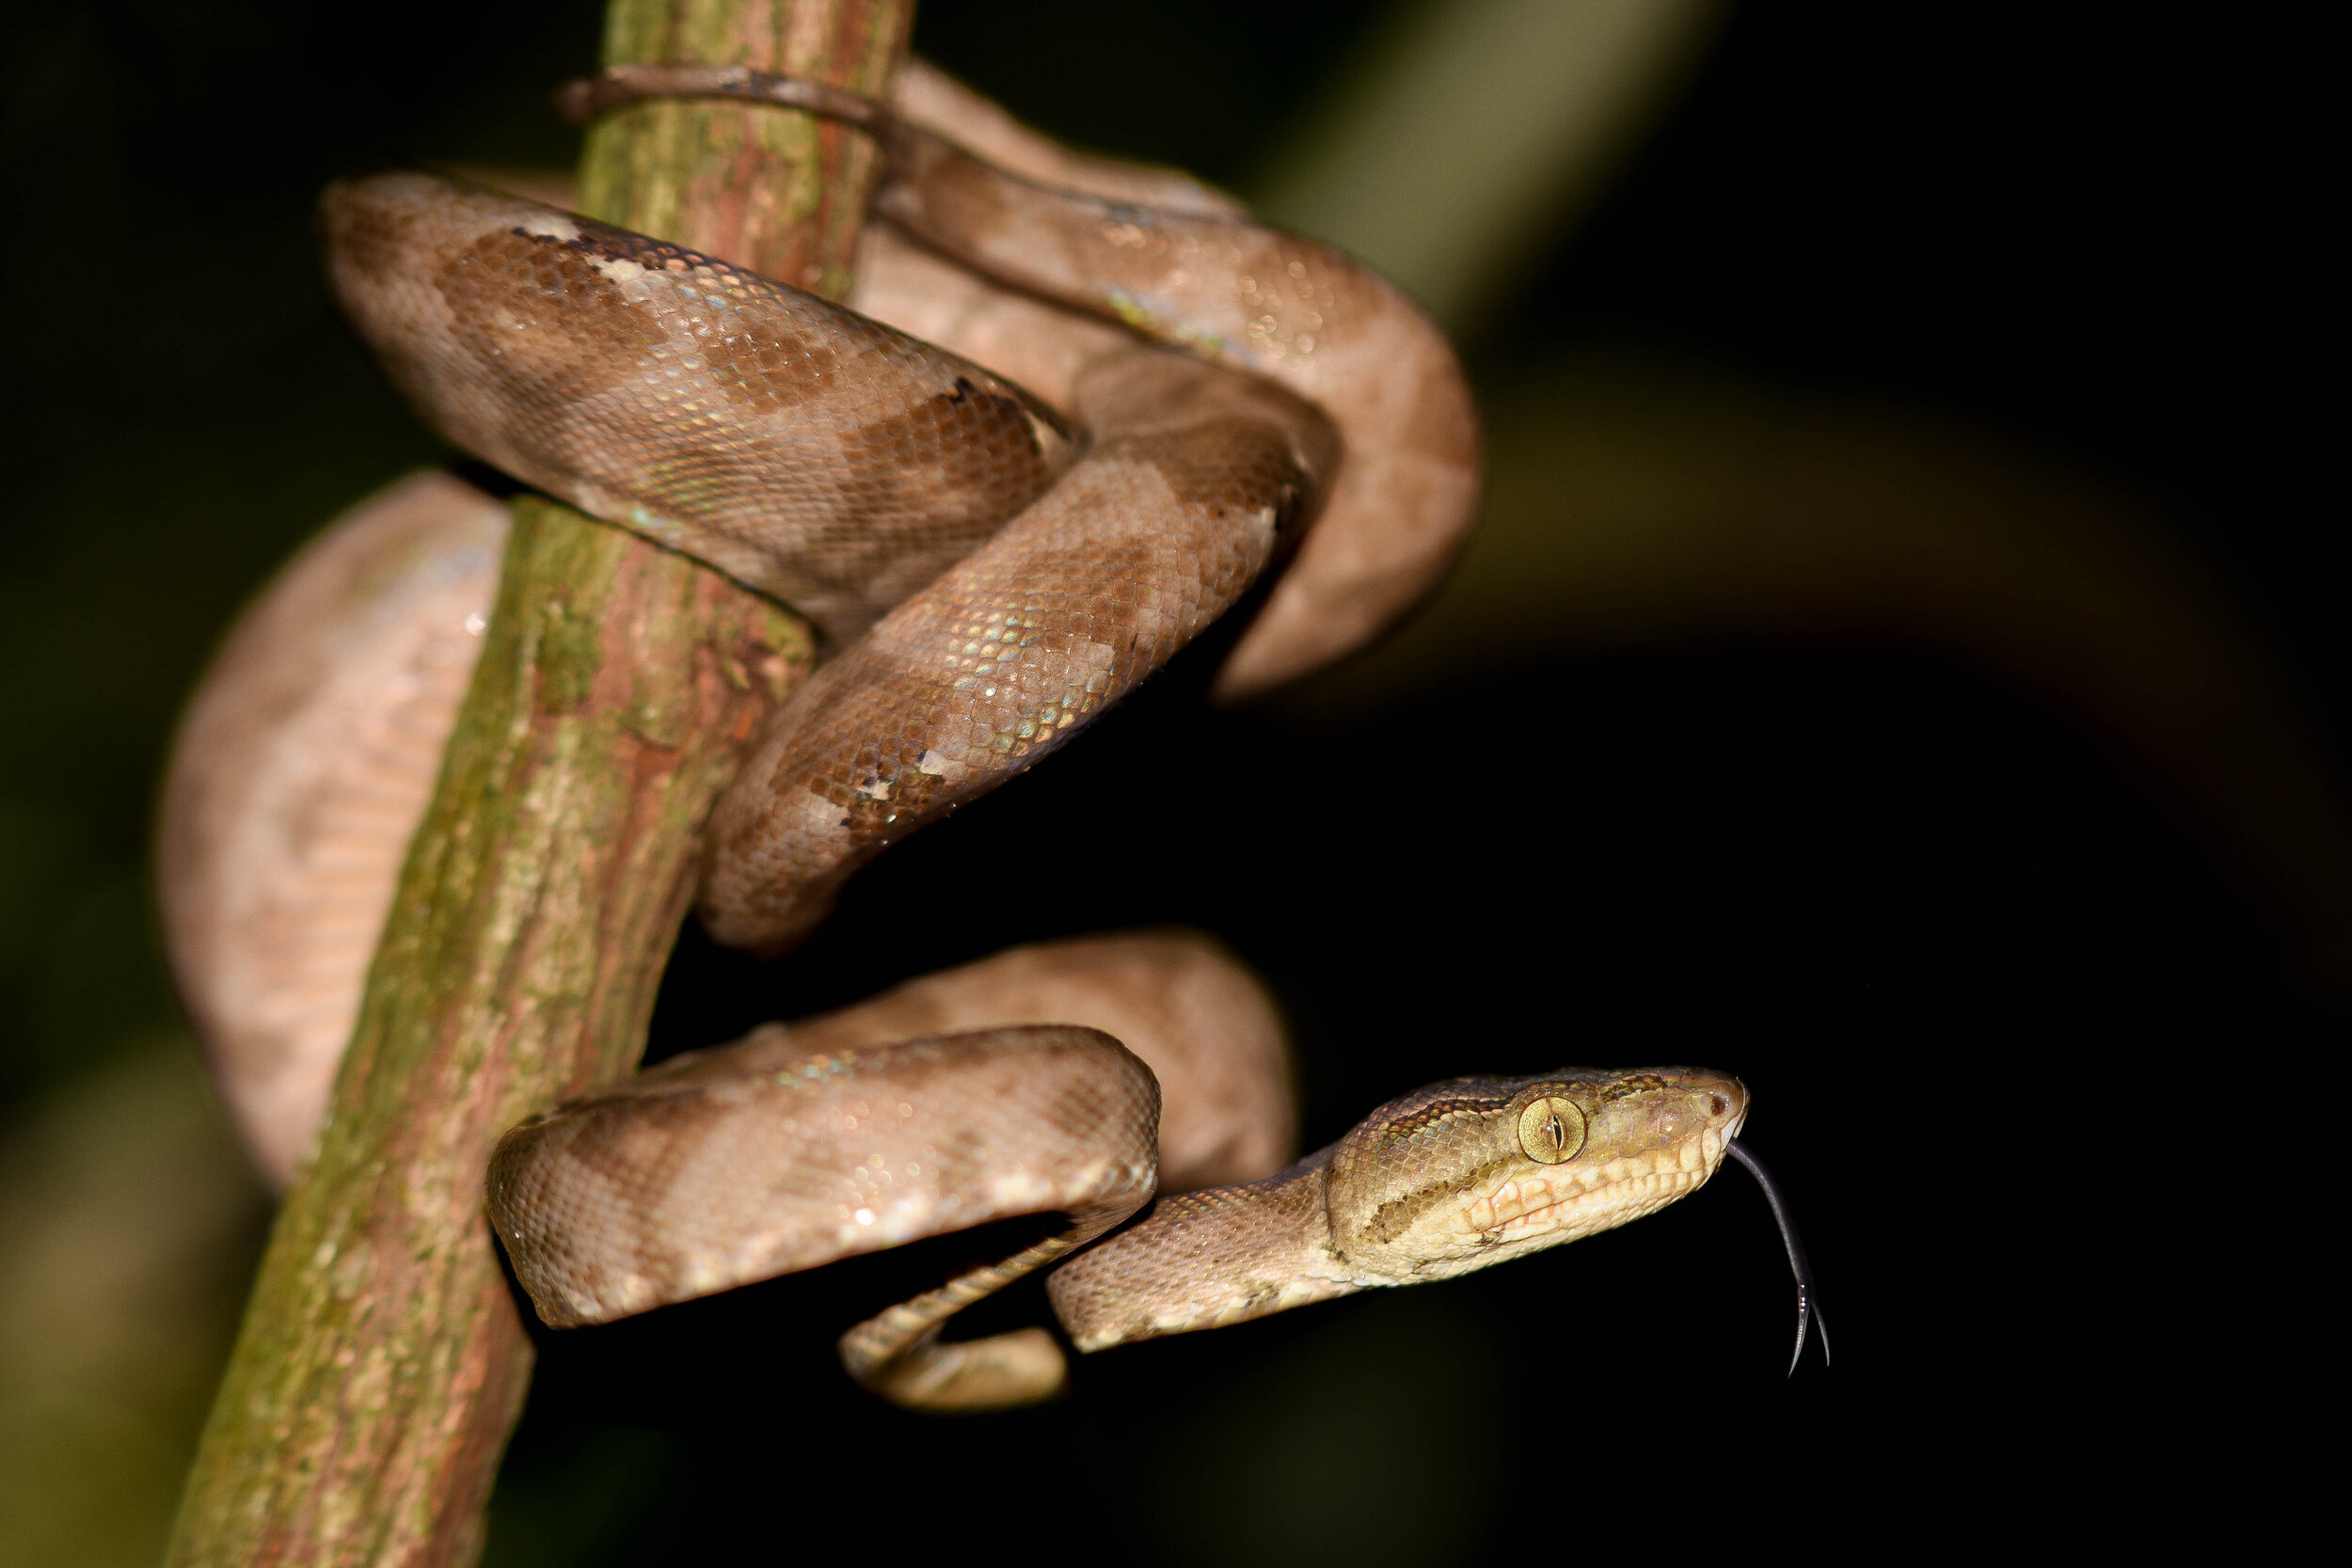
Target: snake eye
1551	1130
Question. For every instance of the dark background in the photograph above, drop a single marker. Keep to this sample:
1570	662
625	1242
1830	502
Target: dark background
1997	1000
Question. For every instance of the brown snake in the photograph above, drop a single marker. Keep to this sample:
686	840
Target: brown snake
1078	410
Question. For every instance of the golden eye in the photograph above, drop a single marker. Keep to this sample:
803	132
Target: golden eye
1551	1130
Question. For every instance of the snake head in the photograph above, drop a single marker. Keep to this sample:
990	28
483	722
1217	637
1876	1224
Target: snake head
1475	1171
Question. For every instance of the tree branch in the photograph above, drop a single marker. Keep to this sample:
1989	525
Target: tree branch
382	1364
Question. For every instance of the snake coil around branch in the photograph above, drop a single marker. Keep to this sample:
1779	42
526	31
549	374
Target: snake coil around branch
1075	412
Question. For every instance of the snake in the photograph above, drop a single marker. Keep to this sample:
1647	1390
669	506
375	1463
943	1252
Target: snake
1074	412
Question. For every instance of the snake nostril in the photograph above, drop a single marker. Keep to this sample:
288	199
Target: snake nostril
1717	1106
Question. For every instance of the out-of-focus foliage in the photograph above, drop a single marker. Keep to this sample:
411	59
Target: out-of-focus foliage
1637	502
128	1224
1462	139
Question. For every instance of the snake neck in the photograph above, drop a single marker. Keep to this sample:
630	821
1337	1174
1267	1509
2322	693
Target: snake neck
1205	1259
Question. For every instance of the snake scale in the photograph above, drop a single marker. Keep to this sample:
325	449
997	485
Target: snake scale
1077	411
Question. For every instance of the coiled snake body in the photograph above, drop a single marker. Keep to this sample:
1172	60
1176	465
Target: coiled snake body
1115	408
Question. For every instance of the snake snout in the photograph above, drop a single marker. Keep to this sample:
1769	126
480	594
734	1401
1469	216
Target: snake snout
1696	1106
1725	1103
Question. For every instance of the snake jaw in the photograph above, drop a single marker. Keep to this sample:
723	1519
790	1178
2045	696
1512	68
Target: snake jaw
1627	1189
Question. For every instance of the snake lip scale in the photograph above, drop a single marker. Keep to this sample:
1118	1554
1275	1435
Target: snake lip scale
1074	410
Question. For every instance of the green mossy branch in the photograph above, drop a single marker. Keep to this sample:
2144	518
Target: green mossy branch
382	1363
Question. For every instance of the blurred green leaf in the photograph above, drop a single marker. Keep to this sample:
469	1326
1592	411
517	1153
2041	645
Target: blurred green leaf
129	1222
1464	136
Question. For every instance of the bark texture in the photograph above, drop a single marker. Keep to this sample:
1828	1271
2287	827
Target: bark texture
382	1363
